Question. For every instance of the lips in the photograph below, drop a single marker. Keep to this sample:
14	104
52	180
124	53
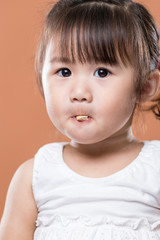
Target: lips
81	115
81	118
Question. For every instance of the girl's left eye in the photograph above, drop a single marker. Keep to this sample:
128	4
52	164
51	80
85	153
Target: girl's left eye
64	72
102	73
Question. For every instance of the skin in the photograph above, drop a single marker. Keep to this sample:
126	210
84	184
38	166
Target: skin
100	146
103	92
20	213
109	100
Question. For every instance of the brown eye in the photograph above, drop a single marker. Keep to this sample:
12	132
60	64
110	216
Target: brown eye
64	72
102	73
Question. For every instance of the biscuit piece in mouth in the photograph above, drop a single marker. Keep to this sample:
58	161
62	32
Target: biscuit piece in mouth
81	118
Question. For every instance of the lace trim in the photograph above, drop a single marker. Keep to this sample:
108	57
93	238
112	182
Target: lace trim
99	221
93	233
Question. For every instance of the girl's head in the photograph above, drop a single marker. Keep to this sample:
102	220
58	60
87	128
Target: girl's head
108	31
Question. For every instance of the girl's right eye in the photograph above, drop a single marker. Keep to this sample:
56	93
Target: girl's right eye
102	73
64	72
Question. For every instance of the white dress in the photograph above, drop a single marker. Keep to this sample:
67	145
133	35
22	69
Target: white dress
123	206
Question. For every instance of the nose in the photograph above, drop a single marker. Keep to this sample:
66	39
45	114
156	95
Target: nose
81	93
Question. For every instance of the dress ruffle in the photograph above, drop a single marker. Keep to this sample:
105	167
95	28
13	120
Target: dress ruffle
99	221
82	228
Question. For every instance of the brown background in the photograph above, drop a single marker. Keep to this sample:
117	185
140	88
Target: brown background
24	124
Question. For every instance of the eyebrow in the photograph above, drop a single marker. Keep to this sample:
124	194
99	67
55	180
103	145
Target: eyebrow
61	60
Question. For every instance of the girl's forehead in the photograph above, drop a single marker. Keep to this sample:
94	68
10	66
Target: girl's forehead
56	53
72	51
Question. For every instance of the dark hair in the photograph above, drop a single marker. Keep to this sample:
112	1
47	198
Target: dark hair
108	31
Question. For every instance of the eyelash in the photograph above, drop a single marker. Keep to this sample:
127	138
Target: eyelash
65	72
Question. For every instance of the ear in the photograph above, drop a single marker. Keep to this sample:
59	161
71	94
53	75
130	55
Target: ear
151	87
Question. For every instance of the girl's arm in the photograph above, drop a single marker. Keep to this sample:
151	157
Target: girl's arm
20	213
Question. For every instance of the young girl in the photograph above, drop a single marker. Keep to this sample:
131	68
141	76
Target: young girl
97	61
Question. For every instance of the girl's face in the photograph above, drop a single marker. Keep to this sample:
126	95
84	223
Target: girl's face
104	94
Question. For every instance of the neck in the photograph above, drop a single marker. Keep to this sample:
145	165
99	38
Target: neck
114	143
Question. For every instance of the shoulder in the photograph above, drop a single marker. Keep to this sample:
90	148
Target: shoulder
21	183
48	169
153	146
23	175
151	153
26	169
20	203
51	147
50	152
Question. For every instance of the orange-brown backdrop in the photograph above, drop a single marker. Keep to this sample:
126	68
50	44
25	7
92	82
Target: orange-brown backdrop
24	124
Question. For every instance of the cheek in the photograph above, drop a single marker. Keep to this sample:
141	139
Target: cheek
117	104
52	101
55	115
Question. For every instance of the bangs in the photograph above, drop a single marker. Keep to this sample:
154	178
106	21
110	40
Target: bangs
107	31
95	32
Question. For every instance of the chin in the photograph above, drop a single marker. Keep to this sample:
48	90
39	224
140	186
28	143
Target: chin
86	140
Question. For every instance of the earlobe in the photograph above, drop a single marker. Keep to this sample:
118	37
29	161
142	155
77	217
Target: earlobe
151	87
